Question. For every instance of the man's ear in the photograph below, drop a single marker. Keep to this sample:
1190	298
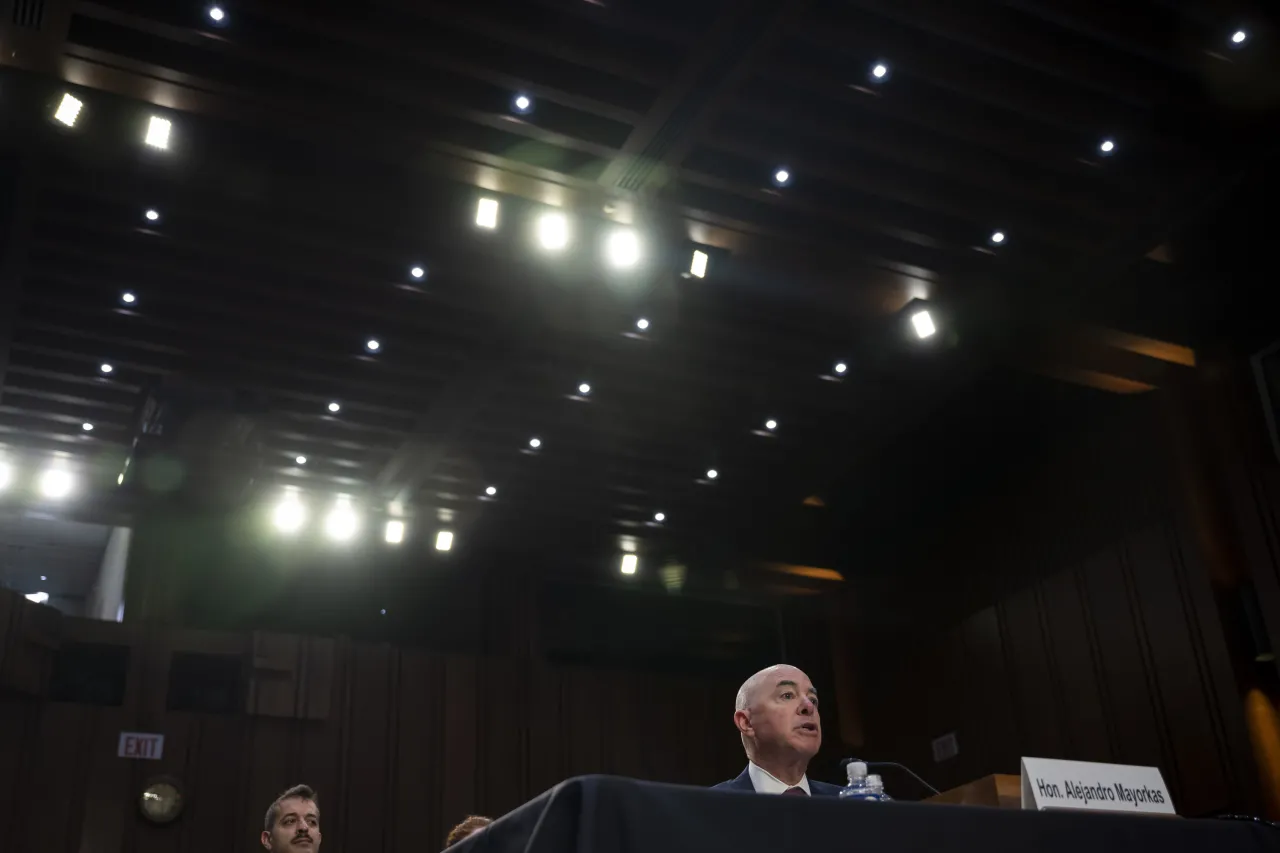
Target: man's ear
266	839
742	719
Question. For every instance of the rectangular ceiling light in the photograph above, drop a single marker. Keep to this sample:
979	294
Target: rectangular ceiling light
394	532
487	213
629	563
68	110
923	322
444	540
158	132
698	268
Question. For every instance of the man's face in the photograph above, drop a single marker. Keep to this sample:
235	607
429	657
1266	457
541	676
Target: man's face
297	829
783	715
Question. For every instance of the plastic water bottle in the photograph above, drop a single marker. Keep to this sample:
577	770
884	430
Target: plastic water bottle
875	783
860	785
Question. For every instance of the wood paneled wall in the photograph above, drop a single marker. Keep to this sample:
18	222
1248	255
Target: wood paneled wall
413	741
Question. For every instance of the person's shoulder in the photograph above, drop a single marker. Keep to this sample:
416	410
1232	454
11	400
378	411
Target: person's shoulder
741	783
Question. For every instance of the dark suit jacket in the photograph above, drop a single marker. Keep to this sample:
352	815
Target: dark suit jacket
743	783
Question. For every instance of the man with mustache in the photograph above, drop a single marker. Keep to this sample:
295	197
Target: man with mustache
777	717
293	822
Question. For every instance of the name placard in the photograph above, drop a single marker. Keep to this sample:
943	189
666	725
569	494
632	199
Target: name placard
1050	783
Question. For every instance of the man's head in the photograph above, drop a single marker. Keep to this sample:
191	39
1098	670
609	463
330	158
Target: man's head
777	715
293	822
466	829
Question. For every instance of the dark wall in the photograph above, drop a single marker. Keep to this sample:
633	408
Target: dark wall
1076	619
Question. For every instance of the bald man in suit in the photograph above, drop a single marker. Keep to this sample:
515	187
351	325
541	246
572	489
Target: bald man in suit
776	714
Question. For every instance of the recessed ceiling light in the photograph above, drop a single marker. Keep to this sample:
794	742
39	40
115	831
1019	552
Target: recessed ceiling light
997	237
44	577
841	367
782	176
444	540
642	324
158	132
1107	146
1239	37
152	215
68	110
393	535
771	424
553	231
698	266
487	213
879	71
372	345
383	611
622	248
217	13
535	443
417	273
56	483
491	491
923	323
629	563
522	103
86	426
584	389
659	517
335	408
341	523
301	460
128	298
105	368
712	473
289	514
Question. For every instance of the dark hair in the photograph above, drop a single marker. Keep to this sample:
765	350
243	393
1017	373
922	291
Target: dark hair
465	828
301	792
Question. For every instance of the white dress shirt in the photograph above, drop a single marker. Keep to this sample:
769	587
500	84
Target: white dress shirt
766	783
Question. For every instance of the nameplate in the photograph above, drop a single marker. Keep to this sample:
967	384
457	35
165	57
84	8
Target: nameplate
1050	783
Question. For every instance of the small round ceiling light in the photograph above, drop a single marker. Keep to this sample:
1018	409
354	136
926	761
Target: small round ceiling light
535	443
659	517
373	345
1107	147
712	473
105	368
879	72
782	176
584	389
997	237
522	104
334	408
642	324
86	426
1239	37
771	425
161	800
301	460
417	273
217	14
491	491
152	215
841	368
128	297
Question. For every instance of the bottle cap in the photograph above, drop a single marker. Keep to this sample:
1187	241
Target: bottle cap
856	770
874	781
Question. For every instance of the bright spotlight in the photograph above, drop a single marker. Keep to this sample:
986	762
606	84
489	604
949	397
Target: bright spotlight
152	215
698	266
128	298
106	368
535	443
341	522
86	426
1239	37
771	424
629	563
335	408
522	104
37	597
997	237
444	540
301	460
158	132
289	515
879	71
642	324
487	213
417	273
782	177
712	473
68	110
217	14
553	231
373	345
56	483
584	389
623	248
659	517
1107	146
923	322
491	491
841	367
394	533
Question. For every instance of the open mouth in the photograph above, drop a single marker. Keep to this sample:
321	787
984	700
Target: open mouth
811	728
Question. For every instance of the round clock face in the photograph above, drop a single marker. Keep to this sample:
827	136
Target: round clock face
161	801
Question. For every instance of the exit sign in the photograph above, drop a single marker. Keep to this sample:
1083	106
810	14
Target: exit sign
140	745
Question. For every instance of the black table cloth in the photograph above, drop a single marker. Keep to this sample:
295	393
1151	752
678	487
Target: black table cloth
605	814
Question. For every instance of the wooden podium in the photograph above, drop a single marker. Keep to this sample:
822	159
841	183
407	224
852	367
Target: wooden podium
999	790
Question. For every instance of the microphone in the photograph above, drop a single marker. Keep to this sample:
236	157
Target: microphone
844	762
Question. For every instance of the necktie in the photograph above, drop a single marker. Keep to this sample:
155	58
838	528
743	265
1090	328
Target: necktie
796	792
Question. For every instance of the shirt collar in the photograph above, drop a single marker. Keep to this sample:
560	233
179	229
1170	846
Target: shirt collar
766	783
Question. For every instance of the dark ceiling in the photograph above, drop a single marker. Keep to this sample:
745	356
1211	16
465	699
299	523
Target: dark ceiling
318	154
